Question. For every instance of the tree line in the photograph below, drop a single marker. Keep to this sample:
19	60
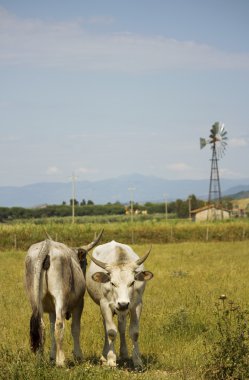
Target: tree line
179	209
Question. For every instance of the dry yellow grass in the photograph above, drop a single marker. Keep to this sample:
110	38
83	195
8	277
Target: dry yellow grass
241	203
177	318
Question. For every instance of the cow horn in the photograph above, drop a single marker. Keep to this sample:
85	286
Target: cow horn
142	259
88	247
101	264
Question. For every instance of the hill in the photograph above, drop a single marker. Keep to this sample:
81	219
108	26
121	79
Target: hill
146	188
240	195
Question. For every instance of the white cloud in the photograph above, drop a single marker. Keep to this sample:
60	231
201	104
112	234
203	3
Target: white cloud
67	44
84	170
178	167
51	170
227	173
239	142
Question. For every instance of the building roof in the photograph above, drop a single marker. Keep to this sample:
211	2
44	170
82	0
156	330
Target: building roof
207	207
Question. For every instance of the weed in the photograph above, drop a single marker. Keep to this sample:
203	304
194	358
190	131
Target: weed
229	357
179	273
184	324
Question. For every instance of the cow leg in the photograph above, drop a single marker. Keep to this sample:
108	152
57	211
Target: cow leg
109	355
75	330
103	359
134	334
59	335
53	343
123	345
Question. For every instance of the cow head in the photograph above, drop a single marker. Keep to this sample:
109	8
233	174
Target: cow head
121	281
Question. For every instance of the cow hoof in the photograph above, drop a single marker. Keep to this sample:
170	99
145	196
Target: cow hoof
124	359
78	356
124	356
112	363
52	359
60	364
138	364
60	360
78	359
108	362
103	360
111	359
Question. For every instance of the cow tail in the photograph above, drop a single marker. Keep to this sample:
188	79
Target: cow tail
36	323
36	332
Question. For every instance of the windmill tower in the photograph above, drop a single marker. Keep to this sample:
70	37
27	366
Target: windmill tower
217	141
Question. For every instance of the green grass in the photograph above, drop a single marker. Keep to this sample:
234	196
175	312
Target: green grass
22	235
177	325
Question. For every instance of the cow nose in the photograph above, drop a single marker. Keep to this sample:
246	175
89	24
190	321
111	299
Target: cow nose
123	306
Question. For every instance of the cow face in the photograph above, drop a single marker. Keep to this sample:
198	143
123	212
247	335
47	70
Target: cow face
120	285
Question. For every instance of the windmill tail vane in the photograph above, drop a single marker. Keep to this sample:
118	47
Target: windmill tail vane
203	142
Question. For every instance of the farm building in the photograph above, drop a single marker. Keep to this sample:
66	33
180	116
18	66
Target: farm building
209	212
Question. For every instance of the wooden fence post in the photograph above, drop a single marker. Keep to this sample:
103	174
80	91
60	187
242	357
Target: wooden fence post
207	234
243	234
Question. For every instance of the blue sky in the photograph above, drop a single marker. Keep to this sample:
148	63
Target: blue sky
105	88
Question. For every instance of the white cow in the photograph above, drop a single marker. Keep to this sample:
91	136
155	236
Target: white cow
55	284
116	281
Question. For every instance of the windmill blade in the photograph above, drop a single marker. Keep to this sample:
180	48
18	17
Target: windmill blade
222	128
222	148
215	129
224	134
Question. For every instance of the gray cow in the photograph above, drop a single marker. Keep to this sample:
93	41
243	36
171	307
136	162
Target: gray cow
116	282
55	284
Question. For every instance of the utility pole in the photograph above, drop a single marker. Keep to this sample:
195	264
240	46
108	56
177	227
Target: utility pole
132	189
166	206
73	178
189	207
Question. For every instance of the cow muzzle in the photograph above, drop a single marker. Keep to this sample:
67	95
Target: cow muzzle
122	306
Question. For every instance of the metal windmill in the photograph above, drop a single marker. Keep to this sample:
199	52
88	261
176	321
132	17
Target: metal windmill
218	143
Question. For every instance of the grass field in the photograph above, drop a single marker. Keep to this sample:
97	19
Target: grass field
151	231
178	324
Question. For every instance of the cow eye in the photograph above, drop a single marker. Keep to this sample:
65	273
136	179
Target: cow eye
132	283
112	283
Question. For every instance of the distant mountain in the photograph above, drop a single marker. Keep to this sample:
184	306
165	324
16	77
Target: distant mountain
240	195
236	190
145	188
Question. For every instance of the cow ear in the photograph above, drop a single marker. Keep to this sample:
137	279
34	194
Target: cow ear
101	277
143	276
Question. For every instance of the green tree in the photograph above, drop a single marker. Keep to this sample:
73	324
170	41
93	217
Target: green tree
75	202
